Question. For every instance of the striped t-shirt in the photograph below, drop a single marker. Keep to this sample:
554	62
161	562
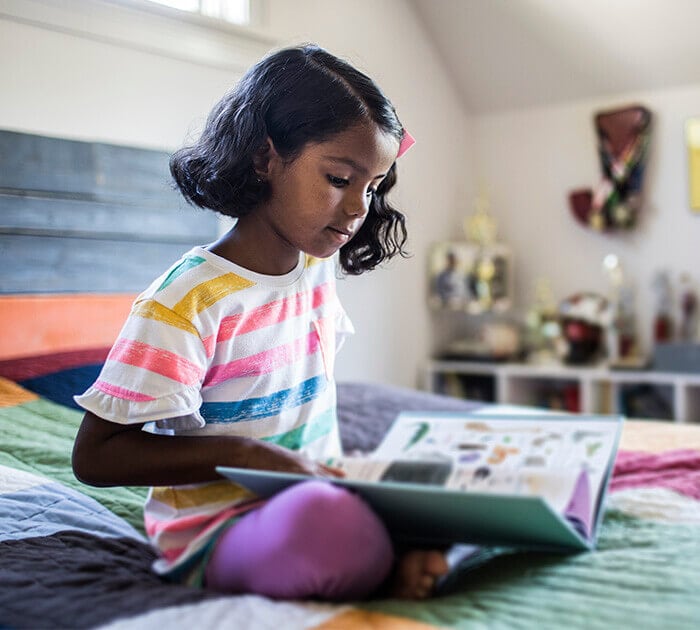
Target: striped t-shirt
211	348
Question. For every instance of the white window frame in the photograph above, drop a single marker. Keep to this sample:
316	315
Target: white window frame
148	27
257	14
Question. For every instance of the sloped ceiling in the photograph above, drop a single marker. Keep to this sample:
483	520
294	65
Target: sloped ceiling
513	54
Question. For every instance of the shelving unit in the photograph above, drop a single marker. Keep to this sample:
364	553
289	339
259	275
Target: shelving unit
586	389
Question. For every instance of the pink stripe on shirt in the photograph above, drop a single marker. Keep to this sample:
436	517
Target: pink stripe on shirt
209	525
273	312
209	345
156	360
121	392
171	555
264	362
154	526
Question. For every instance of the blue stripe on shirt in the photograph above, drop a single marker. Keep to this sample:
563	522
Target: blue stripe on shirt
256	408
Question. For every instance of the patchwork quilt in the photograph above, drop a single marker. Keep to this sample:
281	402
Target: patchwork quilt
73	556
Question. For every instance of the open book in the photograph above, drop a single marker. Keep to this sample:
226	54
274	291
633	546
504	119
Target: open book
534	481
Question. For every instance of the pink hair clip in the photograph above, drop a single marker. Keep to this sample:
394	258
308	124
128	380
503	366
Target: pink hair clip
406	143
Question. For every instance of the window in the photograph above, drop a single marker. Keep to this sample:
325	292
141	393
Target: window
235	11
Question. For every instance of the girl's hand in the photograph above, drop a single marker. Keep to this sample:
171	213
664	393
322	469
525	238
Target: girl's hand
331	471
272	457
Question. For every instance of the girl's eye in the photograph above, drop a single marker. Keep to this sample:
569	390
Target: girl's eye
339	182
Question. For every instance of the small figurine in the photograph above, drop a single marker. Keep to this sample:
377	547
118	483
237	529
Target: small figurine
663	320
450	283
688	329
543	330
481	227
584	317
621	330
487	279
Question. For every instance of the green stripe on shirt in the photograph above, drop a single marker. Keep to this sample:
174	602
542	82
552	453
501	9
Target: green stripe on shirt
188	263
305	434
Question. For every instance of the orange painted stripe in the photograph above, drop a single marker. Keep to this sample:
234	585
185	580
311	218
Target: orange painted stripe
40	324
368	620
12	394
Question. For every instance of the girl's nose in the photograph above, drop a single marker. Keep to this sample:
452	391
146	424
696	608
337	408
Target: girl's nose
357	205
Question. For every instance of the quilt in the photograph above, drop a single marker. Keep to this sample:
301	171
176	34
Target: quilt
74	556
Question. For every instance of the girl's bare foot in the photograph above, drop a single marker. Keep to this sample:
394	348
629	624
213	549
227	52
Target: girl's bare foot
416	573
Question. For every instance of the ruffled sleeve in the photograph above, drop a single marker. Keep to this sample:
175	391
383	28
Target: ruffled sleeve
176	411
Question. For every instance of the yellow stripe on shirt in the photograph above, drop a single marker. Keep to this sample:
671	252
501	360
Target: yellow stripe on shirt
312	260
155	310
181	498
208	293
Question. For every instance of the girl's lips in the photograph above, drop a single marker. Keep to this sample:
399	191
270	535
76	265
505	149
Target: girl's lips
341	236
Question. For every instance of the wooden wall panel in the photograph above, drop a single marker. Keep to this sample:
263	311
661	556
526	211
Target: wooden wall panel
50	264
80	216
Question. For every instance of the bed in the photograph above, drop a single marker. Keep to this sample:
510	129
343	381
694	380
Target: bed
73	556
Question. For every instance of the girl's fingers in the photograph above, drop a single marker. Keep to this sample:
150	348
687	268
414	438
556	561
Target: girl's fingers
330	471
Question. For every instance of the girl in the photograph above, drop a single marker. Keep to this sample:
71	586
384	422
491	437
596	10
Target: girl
227	358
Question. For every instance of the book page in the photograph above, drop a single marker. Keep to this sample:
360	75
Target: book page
536	454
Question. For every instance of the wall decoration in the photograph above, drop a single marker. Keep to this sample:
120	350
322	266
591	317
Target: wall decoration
623	140
692	137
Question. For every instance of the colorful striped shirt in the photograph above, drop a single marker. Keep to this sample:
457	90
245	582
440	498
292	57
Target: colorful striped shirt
211	348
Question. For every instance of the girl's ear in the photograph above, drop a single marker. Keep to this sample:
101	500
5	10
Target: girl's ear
264	158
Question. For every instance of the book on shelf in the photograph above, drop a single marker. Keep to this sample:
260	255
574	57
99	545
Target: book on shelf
534	480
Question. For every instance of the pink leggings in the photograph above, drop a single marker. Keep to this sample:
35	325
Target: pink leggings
313	540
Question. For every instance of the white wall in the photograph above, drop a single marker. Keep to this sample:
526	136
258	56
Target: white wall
86	70
531	159
150	83
384	39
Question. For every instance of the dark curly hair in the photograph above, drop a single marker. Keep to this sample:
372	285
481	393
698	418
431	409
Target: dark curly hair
294	96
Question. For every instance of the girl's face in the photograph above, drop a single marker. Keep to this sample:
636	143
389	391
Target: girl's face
320	200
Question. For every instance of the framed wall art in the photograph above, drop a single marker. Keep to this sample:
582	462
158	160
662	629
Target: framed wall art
692	138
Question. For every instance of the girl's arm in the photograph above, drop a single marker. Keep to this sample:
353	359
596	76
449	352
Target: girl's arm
110	454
